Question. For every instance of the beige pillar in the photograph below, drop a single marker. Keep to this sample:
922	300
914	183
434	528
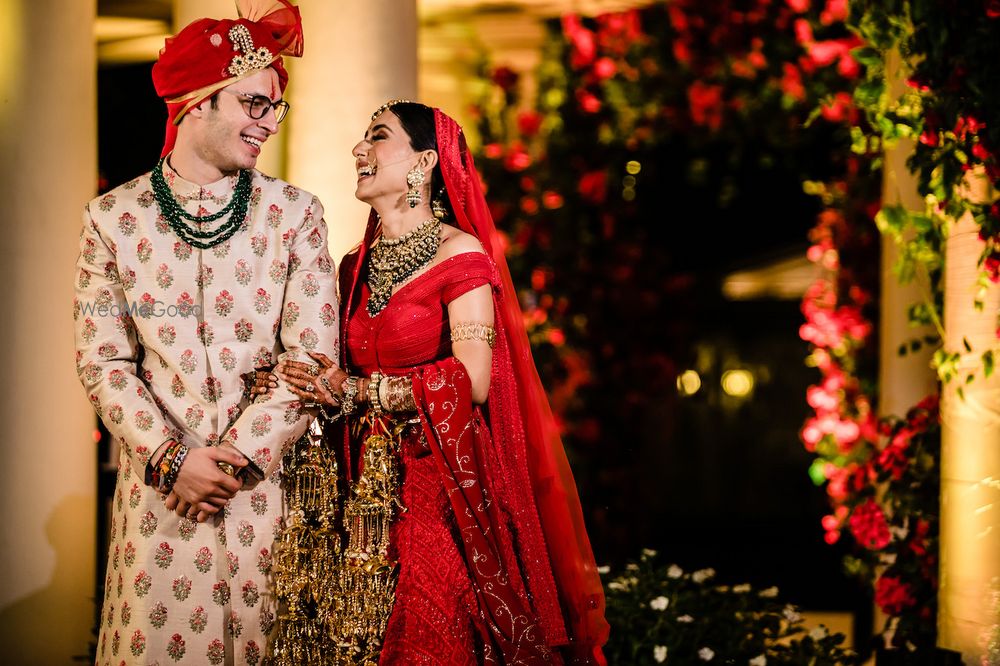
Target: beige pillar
357	55
903	380
47	451
970	455
272	155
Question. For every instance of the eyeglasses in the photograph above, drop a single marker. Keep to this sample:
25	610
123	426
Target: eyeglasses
257	106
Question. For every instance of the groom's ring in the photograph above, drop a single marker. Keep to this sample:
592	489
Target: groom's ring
226	468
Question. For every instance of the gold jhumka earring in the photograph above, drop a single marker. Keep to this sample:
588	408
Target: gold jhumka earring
414	179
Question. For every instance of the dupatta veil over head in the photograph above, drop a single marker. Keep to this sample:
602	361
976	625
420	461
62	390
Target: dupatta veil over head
554	548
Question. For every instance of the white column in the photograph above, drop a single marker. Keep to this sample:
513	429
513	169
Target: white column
272	155
357	55
970	453
47	452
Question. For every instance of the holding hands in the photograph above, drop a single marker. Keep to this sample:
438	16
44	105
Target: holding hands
314	385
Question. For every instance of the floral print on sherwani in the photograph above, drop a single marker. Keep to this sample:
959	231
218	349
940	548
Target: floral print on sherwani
163	333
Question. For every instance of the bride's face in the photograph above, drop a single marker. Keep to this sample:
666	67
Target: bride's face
382	160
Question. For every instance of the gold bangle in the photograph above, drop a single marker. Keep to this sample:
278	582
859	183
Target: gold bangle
347	404
373	402
474	331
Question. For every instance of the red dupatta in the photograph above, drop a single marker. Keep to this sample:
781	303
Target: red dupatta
551	536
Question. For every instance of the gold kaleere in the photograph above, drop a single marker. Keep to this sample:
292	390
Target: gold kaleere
337	600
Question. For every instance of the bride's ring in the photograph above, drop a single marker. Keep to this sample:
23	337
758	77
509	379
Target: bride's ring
310	388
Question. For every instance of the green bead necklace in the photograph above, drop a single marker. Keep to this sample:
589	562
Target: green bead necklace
203	240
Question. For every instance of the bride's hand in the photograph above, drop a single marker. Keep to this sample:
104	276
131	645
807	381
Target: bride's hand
309	385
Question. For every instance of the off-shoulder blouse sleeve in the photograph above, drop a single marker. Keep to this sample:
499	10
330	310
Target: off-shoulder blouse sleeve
464	273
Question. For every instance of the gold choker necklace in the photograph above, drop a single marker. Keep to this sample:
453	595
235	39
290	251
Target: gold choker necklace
393	260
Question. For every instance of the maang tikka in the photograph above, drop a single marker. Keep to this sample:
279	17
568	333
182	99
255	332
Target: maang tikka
415	179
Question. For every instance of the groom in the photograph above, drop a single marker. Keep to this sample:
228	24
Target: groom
189	276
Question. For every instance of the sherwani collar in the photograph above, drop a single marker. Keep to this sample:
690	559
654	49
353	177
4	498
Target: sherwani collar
185	191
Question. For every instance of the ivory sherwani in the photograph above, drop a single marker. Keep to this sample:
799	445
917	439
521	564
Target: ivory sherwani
163	333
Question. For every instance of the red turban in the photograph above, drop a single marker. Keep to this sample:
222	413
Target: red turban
210	54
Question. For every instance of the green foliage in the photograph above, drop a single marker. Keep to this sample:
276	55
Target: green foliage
939	90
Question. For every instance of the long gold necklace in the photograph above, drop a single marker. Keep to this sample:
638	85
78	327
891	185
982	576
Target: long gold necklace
393	260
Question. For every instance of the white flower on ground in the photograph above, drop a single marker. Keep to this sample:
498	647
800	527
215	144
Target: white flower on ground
769	593
759	660
686	619
647	553
741	589
617	585
706	654
660	653
674	571
659	603
819	633
702	575
791	614
604	569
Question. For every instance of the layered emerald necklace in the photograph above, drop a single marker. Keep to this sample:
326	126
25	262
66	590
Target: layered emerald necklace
173	212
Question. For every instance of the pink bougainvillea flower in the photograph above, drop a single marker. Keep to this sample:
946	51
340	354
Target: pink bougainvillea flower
517	159
584	47
757	59
505	77
791	82
930	137
799	6
552	200
593	186
528	123
893	595
556	337
869	527
589	103
811	434
803	32
835	10
839	109
828	51
682	52
705	102
678	19
820	399
980	152
493	150
848	67
604	68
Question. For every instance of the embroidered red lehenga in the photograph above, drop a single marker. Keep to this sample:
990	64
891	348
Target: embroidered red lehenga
494	562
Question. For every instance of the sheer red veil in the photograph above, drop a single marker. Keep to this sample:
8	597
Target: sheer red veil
551	537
